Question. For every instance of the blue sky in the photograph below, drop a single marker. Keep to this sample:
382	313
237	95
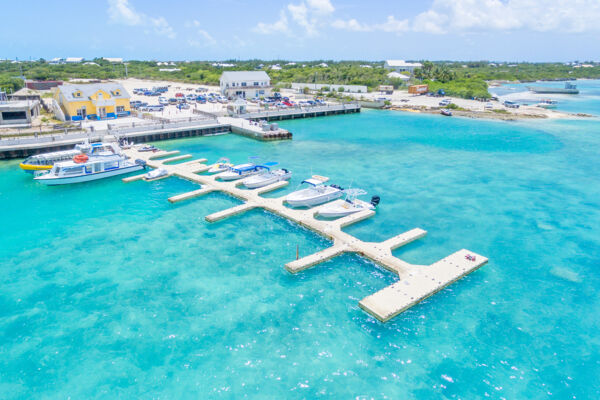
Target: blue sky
512	30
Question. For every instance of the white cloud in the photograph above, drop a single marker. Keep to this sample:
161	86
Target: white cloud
573	16
323	7
123	13
308	15
444	16
391	25
281	25
351	25
162	27
204	39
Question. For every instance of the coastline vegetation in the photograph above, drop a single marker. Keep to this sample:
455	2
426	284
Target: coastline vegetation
466	80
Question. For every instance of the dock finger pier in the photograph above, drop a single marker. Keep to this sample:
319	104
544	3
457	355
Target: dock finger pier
415	283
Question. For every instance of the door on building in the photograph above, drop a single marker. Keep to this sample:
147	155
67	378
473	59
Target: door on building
102	112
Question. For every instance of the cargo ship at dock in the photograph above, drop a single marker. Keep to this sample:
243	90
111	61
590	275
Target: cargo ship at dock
568	89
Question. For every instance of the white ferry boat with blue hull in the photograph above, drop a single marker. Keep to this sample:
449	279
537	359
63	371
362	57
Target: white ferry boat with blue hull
93	168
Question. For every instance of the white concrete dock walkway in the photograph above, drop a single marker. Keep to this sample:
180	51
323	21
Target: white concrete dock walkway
417	282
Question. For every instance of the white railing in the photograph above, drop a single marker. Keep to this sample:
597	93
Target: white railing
99	134
300	110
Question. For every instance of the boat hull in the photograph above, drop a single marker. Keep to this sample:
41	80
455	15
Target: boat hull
87	177
262	183
342	208
233	177
313	201
542	90
32	168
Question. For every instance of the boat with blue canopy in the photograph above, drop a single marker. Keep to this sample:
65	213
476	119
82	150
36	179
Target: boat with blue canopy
267	176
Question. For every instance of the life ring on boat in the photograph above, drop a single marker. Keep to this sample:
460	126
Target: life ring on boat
80	158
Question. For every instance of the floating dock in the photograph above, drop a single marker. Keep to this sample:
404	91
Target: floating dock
416	282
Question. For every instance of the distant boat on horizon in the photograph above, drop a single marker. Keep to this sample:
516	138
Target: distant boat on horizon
568	89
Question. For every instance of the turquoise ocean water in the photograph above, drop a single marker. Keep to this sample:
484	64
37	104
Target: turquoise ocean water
109	291
587	101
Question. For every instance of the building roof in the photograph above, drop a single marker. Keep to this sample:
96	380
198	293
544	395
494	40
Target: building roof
74	59
398	75
88	89
244	76
113	59
402	63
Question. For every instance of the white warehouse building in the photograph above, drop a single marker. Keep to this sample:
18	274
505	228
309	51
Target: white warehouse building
245	84
401	66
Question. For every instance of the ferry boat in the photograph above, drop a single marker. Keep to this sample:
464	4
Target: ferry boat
349	205
317	193
266	176
45	161
83	169
568	89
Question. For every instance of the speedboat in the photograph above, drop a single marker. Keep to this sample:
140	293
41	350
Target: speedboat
349	205
85	169
156	173
266	176
317	193
222	164
148	148
547	103
239	171
446	112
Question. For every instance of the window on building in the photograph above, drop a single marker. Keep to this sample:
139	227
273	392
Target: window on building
243	83
14	115
77	94
255	83
120	108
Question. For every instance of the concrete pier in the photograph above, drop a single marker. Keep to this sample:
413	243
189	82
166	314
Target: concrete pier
190	195
416	282
419	284
229	212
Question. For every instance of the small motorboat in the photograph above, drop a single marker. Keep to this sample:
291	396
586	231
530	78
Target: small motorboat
547	103
222	165
266	176
239	171
148	148
446	112
317	193
156	173
349	205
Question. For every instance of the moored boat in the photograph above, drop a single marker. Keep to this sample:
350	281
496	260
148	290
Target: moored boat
266	176
349	205
222	164
93	168
568	89
156	173
317	193
45	161
239	171
446	112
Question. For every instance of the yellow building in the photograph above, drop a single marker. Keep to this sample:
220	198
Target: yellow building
93	101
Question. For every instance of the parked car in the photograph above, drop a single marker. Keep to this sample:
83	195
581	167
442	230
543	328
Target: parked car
445	102
179	95
183	106
172	100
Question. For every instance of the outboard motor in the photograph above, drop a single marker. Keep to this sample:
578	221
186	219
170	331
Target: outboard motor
141	162
337	187
375	200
